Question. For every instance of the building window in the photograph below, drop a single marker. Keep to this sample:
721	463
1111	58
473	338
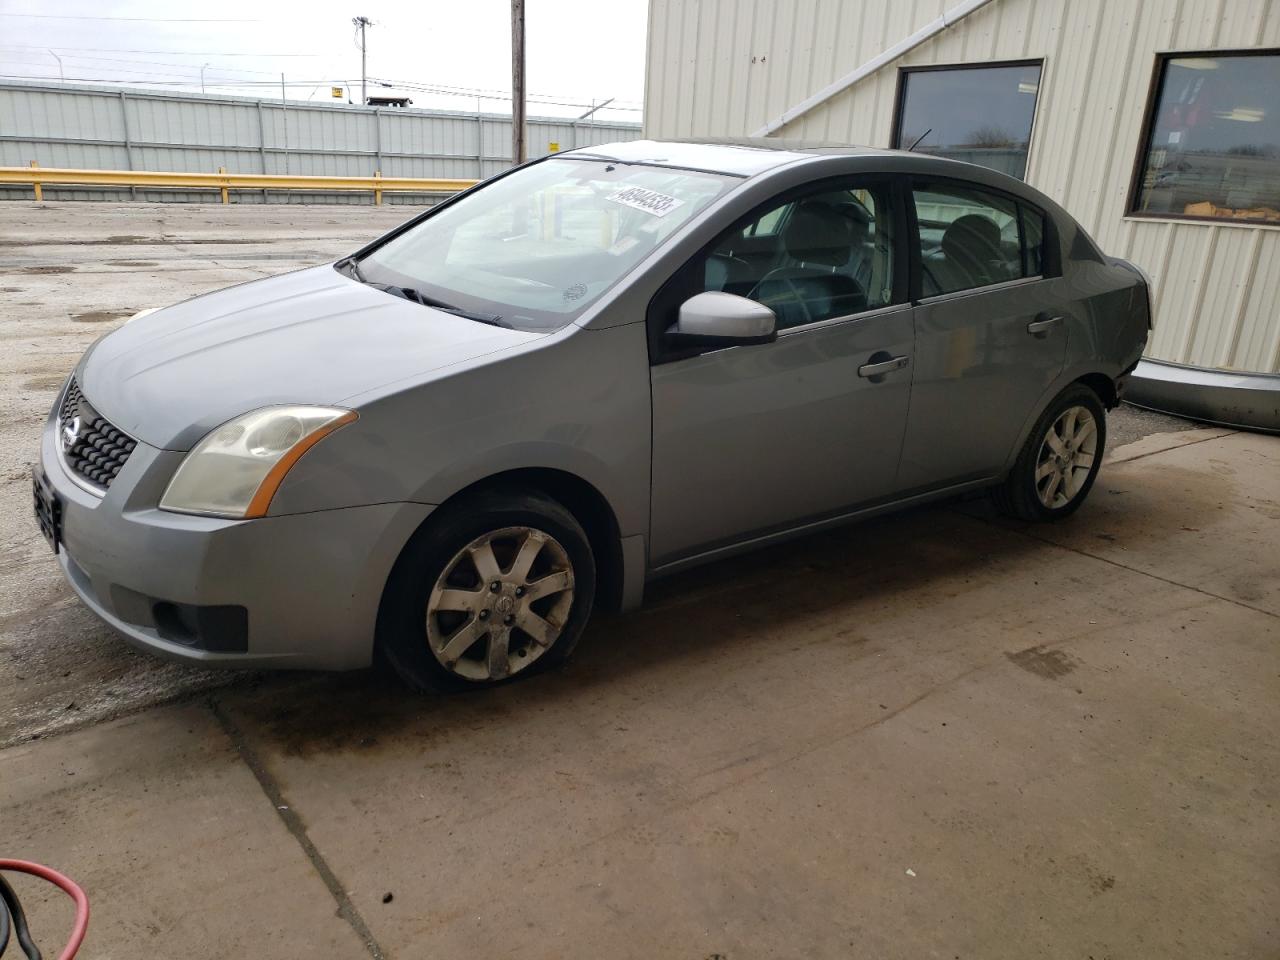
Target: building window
1211	144
981	114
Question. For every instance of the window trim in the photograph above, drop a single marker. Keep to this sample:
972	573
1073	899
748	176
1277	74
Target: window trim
900	296
1145	131
900	96
1050	256
970	291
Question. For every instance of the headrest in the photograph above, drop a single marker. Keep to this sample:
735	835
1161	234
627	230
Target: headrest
815	233
972	238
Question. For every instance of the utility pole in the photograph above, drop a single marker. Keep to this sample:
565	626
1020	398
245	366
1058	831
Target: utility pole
362	23
517	82
202	69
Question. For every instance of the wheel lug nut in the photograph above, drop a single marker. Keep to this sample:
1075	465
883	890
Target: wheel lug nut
519	591
495	586
508	620
484	614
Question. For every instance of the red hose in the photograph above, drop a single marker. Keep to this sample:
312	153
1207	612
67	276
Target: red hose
73	891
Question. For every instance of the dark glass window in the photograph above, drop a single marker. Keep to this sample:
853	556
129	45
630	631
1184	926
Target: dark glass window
1033	241
1212	143
971	238
979	114
819	256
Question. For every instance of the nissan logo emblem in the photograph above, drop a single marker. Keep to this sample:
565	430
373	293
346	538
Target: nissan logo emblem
70	433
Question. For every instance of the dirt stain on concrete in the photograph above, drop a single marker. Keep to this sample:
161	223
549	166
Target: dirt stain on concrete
43	383
1100	882
132	263
1043	662
46	269
102	316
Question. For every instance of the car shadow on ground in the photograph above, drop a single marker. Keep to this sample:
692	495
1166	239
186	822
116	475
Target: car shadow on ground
828	588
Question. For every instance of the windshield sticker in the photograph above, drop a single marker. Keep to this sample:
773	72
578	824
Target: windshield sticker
650	201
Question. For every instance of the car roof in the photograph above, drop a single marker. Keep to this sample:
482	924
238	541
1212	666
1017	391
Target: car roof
752	156
742	157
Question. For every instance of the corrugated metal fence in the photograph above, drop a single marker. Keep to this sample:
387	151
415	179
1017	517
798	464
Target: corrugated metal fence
106	128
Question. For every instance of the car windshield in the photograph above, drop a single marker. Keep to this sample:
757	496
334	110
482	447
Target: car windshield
537	247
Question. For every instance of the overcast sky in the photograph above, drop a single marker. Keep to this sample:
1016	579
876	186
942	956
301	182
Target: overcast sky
578	50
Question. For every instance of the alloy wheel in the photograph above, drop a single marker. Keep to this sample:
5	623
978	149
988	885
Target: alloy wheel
1066	457
500	604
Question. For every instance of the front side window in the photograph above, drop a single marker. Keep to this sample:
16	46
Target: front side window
971	238
811	258
537	247
1211	147
980	114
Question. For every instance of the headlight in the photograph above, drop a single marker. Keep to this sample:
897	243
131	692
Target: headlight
236	469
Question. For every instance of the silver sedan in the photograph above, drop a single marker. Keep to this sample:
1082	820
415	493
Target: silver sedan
593	370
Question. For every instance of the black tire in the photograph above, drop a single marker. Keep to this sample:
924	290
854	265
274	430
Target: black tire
1019	495
402	618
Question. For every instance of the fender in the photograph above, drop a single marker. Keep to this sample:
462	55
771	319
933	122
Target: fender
1071	373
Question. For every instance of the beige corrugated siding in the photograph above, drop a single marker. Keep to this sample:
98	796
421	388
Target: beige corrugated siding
726	67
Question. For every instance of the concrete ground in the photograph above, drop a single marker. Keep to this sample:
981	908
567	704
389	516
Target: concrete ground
940	734
70	272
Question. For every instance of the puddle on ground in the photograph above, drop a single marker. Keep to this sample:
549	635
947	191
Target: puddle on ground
1043	662
102	316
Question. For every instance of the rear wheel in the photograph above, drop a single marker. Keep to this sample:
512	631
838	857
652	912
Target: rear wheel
1058	464
499	586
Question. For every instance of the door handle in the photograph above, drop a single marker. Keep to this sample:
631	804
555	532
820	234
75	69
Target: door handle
1043	325
883	367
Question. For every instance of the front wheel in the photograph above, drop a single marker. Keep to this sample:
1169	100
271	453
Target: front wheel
499	586
1059	462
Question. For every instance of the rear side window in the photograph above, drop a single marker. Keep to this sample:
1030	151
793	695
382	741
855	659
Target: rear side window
970	238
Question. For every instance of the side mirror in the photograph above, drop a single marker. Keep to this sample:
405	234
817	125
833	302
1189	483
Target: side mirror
715	319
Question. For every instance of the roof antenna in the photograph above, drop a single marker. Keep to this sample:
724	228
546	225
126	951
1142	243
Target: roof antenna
918	139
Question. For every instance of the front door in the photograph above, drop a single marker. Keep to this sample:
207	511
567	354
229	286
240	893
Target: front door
991	334
753	439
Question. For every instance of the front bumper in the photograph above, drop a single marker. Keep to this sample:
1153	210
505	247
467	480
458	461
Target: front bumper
309	584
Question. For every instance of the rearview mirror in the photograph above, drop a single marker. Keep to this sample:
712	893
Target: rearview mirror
715	319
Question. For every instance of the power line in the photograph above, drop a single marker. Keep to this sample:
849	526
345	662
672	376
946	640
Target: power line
486	94
176	53
68	16
170	83
411	85
15	57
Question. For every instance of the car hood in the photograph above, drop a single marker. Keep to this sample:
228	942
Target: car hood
312	336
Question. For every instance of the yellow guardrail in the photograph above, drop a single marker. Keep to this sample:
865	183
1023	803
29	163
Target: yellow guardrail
38	177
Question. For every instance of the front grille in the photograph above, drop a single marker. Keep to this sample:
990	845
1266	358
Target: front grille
91	447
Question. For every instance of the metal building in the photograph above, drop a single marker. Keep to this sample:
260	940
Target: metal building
1155	122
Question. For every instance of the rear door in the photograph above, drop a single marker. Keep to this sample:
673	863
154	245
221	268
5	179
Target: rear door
990	330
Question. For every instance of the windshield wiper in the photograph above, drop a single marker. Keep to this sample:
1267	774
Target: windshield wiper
353	268
417	296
